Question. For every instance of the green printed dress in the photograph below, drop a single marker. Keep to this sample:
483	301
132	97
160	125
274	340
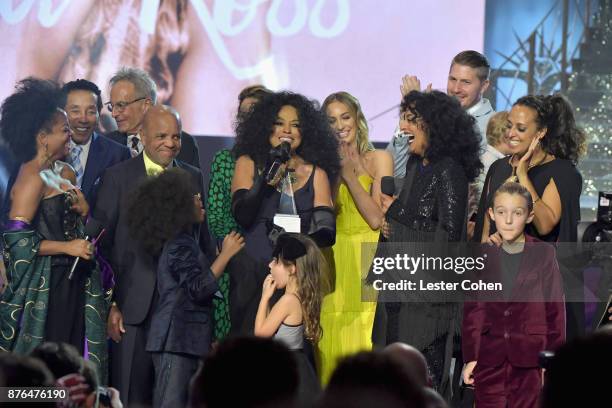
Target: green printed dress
221	222
40	303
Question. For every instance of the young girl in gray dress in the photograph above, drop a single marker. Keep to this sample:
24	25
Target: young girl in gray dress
297	266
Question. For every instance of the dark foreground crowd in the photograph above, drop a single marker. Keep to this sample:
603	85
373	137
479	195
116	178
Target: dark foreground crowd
128	283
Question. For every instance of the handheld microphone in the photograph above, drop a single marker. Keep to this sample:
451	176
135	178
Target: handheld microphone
280	155
387	185
92	229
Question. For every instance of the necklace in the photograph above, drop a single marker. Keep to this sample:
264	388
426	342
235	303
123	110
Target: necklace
514	178
289	177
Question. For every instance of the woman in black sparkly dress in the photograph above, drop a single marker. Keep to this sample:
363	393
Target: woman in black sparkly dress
444	159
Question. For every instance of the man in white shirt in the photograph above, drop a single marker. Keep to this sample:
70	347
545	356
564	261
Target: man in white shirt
468	80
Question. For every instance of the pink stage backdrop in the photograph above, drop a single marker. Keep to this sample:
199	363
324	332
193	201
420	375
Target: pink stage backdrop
203	52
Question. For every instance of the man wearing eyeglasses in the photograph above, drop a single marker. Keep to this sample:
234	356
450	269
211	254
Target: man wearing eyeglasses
132	93
134	293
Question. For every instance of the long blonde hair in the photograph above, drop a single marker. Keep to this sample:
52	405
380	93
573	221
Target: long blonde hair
363	140
310	270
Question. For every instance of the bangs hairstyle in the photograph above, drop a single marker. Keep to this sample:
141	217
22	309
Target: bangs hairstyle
363	141
35	106
475	60
563	138
160	208
497	128
513	188
310	271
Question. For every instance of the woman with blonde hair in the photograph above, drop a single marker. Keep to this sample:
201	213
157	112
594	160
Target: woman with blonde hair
346	320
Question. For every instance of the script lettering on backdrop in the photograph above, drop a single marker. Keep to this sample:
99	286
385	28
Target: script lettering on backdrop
217	24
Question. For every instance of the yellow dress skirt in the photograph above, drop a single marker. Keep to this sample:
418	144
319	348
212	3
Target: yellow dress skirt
346	319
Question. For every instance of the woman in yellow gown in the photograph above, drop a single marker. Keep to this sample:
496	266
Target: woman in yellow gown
347	320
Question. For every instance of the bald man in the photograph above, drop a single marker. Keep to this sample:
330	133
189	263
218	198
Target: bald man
412	359
135	271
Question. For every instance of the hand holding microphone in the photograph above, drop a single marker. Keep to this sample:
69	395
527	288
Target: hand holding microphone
82	247
278	156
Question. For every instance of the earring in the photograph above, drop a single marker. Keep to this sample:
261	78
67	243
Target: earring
48	156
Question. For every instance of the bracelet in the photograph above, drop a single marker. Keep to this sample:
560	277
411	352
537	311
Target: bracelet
536	200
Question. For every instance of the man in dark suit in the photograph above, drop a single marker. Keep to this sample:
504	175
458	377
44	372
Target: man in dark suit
90	153
135	271
132	92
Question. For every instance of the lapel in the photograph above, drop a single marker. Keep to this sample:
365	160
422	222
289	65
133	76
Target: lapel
528	260
138	171
122	138
94	163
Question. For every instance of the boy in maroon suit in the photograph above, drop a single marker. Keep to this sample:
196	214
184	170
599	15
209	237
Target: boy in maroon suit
502	337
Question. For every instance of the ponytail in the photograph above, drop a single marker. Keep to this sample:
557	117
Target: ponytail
563	138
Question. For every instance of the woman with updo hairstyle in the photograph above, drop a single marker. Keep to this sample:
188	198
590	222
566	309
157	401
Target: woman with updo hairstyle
219	205
345	318
431	207
283	144
545	146
45	233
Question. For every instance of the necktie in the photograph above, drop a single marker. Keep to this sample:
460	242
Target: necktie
75	158
135	145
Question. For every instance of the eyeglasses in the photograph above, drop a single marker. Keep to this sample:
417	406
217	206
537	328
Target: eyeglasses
120	106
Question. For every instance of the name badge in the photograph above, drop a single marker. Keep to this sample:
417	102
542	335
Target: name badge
289	222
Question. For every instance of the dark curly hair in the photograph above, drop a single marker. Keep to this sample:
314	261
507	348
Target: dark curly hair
160	208
451	131
563	138
33	107
82	85
319	145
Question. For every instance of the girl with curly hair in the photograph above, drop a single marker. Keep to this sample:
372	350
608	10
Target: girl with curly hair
297	267
45	233
432	206
284	137
545	146
161	215
346	320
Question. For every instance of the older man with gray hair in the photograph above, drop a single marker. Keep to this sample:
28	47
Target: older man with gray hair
134	294
132	93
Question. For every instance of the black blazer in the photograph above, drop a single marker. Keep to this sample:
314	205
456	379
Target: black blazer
182	319
103	153
189	148
133	268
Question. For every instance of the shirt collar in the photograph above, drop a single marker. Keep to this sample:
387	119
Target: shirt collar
85	146
476	107
151	167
